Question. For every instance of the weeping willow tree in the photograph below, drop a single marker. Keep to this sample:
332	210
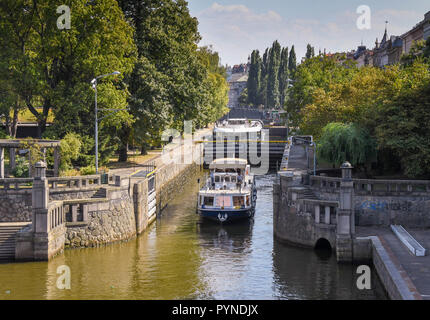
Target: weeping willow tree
346	142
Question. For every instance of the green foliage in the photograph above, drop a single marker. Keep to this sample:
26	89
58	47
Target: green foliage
3	134
173	80
165	78
268	77
404	127
310	52
314	79
243	99
50	69
273	98
21	168
346	142
390	104
254	78
416	52
292	62
36	153
70	149
283	77
86	171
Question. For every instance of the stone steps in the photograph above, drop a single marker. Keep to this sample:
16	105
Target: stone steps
8	233
309	194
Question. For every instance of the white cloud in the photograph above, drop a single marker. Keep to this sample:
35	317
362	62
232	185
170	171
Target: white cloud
236	30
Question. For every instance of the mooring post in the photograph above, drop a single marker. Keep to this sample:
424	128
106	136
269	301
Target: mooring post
345	216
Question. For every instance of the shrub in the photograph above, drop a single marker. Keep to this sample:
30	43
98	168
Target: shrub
21	168
70	173
86	171
70	147
3	134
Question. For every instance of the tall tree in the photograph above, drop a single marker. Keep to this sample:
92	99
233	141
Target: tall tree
53	67
346	142
273	100
283	76
254	79
172	81
308	51
292	62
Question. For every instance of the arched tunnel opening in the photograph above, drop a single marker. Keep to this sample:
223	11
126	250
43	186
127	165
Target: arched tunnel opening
323	248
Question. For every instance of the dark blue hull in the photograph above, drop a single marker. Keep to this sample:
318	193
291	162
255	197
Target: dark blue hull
227	216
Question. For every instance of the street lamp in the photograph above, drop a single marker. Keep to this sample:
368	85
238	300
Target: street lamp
313	144
96	129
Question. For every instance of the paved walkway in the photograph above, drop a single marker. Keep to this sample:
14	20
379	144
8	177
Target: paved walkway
156	159
416	269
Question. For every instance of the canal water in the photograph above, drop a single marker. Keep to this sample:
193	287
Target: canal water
182	257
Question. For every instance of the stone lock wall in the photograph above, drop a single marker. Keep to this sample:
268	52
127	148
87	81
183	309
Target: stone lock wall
140	191
15	205
107	221
291	225
382	208
409	211
170	181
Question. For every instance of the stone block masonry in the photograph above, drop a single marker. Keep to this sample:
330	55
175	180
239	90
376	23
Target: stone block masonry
106	221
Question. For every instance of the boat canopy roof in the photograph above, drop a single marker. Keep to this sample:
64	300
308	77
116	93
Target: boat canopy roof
228	163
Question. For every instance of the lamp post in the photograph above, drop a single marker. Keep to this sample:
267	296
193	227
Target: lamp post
96	122
313	144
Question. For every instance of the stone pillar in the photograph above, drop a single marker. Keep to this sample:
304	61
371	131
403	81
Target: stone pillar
40	200
327	215
317	213
12	161
2	163
345	216
56	161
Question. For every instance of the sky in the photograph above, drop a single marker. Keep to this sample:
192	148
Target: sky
236	27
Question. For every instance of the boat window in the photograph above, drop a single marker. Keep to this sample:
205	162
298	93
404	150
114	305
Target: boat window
223	201
233	179
209	201
227	179
217	178
238	201
247	201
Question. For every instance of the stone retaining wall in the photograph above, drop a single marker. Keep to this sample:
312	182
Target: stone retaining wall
381	202
295	227
108	221
15	205
171	180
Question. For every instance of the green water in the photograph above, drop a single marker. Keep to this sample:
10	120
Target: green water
181	257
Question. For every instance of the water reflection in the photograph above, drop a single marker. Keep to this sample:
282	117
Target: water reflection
233	238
